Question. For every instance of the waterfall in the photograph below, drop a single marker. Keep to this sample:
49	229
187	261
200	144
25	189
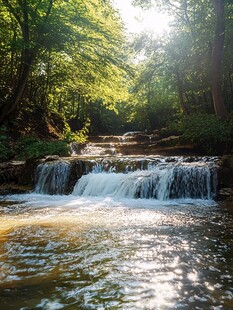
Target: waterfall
159	181
158	177
52	178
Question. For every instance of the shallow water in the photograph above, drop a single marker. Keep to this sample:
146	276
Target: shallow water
65	252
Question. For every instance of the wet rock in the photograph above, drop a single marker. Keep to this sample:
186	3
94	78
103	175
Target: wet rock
51	158
76	148
9	189
225	194
170	159
169	141
17	176
10	171
225	173
189	159
27	176
77	169
132	133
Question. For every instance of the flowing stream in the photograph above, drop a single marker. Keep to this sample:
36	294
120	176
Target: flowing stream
133	233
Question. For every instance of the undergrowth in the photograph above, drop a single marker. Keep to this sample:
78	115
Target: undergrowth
208	133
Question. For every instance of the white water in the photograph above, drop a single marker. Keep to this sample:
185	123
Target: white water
52	177
158	178
157	183
100	248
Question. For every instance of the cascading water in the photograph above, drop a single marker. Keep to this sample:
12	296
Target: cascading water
98	249
156	179
52	178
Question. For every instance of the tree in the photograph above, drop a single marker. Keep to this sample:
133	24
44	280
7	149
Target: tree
24	14
217	58
60	51
199	29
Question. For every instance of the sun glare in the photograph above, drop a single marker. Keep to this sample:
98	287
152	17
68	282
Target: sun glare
137	20
155	22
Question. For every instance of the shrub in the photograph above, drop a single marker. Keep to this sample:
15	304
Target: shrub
38	149
209	133
29	147
6	151
79	136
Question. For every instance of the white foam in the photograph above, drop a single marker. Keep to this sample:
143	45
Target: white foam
71	201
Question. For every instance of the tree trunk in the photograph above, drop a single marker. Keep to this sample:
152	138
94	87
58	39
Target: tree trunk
25	66
231	87
180	93
27	56
9	106
217	56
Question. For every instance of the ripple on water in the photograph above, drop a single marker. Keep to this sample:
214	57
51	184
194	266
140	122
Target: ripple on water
101	254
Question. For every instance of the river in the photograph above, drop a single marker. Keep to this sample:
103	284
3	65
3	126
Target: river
93	251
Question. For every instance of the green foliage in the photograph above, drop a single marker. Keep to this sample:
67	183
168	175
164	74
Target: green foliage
209	133
79	67
153	101
79	136
183	56
29	147
6	150
40	149
77	55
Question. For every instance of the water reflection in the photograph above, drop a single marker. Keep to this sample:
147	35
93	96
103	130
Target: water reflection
99	254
